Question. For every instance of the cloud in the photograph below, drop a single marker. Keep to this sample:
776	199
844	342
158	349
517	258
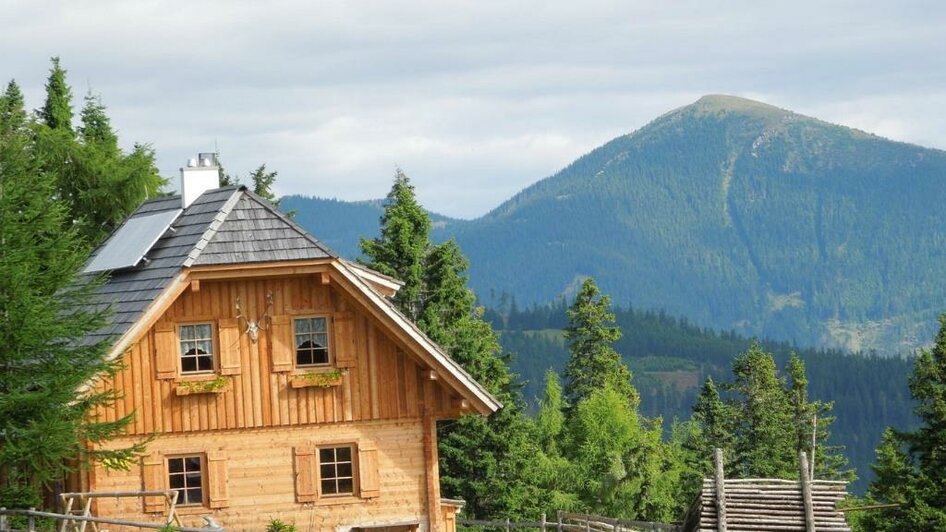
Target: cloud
474	99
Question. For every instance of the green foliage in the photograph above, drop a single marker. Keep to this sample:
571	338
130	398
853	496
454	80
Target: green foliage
263	182
401	248
276	525
670	359
57	111
593	363
44	313
911	466
12	108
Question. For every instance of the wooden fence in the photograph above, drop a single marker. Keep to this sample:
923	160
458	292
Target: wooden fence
574	522
32	515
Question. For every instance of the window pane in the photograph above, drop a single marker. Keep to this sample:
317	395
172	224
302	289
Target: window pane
318	325
343	454
203	331
176	482
320	357
327	471
344	469
188	364
193	463
326	455
175	465
345	485
187	332
205	364
194	496
302	326
328	487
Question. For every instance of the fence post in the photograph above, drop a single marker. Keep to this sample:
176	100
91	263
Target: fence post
3	519
720	491
806	491
543	521
31	521
559	528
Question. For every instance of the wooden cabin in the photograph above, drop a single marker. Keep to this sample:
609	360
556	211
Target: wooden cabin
278	379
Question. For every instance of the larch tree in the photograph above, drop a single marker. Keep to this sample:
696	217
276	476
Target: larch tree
47	371
56	112
593	362
263	182
911	466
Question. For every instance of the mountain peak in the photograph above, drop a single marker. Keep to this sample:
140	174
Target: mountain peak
724	103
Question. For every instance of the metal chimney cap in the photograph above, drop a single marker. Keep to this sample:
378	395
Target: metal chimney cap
192	163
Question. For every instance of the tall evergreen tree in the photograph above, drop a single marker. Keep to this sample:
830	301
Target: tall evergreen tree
714	422
401	248
96	128
12	108
57	111
911	466
44	313
593	361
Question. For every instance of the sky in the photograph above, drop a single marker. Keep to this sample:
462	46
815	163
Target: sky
474	100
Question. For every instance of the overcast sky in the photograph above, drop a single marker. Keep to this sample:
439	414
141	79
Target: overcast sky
474	100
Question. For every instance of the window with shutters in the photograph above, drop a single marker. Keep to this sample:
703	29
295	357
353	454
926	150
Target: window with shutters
311	341
186	476
336	471
196	348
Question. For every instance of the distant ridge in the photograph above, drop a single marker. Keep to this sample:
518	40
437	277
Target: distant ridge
731	212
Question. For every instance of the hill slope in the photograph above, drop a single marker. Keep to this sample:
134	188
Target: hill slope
737	215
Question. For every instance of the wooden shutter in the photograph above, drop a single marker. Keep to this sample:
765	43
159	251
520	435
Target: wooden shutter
368	477
283	343
344	348
166	350
229	330
217	479
305	473
152	476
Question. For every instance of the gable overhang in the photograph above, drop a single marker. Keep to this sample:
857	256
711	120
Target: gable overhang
347	280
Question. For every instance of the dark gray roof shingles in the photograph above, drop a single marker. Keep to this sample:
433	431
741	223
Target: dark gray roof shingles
223	226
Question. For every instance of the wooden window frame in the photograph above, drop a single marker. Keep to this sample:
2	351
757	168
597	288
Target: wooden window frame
214	346
329	340
355	472
204	484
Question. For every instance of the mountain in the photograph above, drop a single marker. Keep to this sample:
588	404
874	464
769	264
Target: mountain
736	214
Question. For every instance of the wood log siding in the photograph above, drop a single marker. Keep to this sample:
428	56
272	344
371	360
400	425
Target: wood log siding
380	380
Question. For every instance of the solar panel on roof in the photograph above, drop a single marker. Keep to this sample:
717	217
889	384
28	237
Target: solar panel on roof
132	241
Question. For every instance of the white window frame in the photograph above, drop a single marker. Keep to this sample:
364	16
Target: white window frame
181	353
328	341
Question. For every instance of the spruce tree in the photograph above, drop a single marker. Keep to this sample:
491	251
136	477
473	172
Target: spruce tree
45	312
263	182
713	420
96	128
12	108
762	418
57	111
401	248
593	361
911	466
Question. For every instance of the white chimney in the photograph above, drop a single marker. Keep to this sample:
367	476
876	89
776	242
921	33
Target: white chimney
199	176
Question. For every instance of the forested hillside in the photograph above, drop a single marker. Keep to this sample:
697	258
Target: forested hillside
671	358
735	214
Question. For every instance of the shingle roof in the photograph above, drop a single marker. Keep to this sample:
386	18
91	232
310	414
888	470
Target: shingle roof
228	225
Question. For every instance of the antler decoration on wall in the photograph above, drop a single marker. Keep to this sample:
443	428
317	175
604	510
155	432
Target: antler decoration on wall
253	326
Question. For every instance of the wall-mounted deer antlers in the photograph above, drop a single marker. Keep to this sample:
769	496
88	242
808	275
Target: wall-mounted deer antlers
253	326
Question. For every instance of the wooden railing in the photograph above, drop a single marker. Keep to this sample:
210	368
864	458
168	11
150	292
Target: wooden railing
32	515
575	522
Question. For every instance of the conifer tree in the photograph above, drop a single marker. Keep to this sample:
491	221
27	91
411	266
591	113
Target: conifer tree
12	108
762	418
96	128
57	111
401	248
44	314
714	423
263	184
593	361
550	419
911	466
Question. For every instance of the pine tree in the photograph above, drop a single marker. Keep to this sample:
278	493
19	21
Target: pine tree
57	111
96	128
44	314
401	249
911	466
713	420
593	362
